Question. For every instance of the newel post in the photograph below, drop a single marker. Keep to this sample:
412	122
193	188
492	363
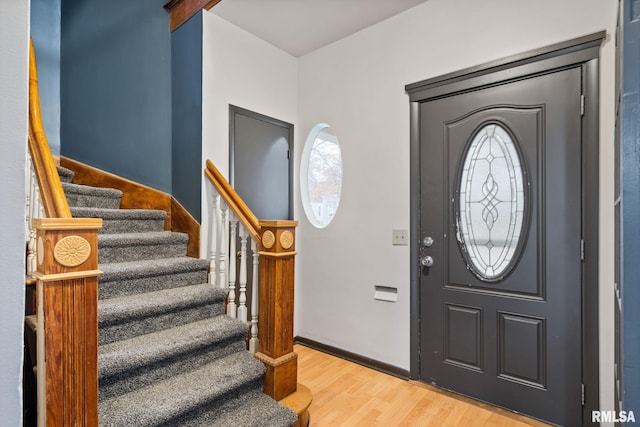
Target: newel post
275	324
67	282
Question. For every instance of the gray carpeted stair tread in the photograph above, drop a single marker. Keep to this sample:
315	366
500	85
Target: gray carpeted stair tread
116	310
66	175
124	220
174	397
137	362
85	196
88	190
150	267
123	247
138	314
252	409
141	239
31	321
125	355
127	278
122	214
258	410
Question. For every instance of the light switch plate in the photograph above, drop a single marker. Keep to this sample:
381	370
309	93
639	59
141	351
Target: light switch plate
400	237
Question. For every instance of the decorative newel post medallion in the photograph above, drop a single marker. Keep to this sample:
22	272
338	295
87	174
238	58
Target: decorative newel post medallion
40	250
268	239
275	331
72	251
286	239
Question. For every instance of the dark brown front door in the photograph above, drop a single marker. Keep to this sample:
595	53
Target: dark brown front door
500	244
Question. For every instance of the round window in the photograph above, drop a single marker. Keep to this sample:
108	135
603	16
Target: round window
321	175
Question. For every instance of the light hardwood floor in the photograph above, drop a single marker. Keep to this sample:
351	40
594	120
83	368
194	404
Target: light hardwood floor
348	394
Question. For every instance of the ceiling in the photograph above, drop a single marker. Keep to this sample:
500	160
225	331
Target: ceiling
301	26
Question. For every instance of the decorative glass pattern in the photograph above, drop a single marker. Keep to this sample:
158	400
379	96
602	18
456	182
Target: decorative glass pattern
491	203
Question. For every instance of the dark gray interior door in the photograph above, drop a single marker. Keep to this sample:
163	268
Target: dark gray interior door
260	163
500	230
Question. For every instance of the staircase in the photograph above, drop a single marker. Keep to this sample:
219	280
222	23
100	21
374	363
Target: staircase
167	355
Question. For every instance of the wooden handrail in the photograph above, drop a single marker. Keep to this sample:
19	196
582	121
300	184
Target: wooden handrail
233	200
53	198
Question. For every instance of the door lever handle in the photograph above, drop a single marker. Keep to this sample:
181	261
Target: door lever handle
426	261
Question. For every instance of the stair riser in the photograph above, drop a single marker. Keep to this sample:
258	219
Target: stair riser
120	288
110	226
125	253
148	374
135	326
90	201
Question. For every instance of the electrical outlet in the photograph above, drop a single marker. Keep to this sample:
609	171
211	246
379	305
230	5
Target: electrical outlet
400	237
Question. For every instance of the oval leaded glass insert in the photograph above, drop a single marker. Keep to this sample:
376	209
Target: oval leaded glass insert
491	203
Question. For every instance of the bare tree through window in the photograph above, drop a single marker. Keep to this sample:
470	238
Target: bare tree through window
323	177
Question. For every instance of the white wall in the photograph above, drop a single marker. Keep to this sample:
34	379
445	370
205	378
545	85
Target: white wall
357	86
14	48
242	70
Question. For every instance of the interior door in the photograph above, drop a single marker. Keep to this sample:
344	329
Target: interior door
261	170
500	251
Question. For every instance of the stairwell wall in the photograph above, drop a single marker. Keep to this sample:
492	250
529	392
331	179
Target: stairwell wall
186	114
116	88
186	126
14	71
45	32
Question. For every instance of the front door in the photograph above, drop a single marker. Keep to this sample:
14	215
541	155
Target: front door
500	245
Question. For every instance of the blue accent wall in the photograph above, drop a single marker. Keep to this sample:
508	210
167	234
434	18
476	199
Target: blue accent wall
116	88
186	68
45	32
630	169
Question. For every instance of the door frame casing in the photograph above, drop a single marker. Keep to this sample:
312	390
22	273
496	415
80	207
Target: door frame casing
584	53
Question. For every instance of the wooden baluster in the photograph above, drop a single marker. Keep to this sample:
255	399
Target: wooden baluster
224	247
37	211
27	194
253	341
231	301
242	308
32	213
214	241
